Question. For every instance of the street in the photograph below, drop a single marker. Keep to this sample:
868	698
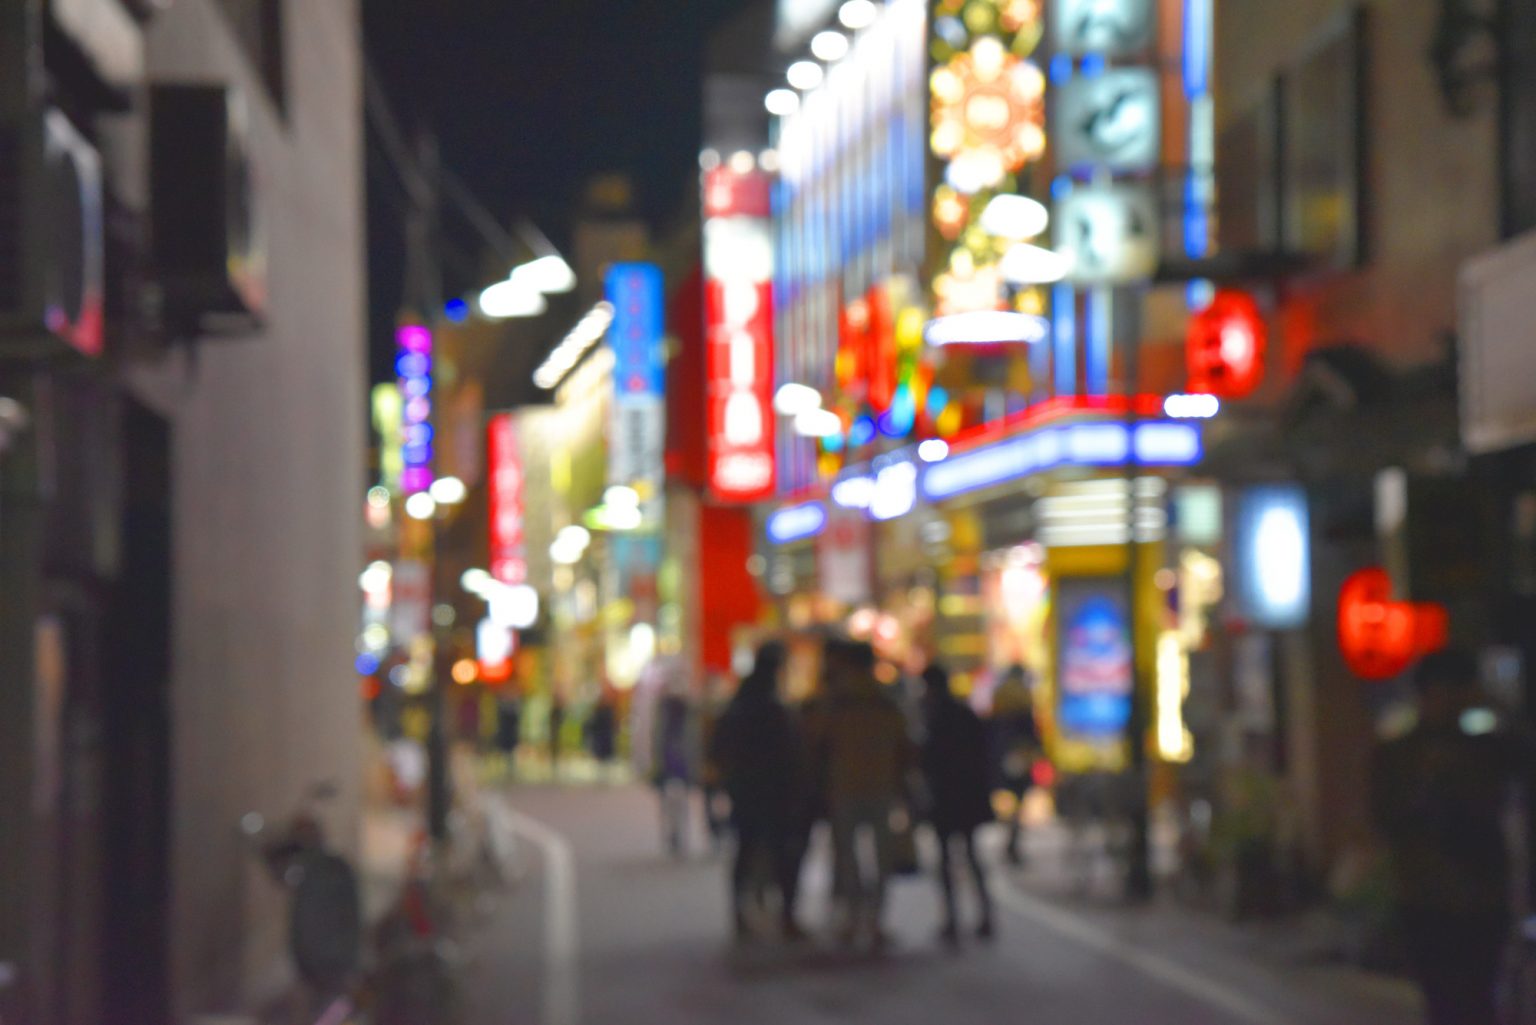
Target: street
604	929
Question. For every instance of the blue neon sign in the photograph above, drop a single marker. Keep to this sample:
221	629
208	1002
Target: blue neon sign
797	523
634	290
1156	443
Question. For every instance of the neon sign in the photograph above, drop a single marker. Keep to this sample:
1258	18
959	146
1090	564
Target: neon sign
738	316
797	523
1156	443
509	560
413	367
1225	346
1379	637
637	417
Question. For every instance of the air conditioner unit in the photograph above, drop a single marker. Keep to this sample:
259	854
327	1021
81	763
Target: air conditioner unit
51	238
208	245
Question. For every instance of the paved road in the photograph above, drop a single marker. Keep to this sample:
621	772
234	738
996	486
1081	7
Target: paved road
604	930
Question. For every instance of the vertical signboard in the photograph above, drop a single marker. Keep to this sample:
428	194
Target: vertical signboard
413	367
509	557
738	317
637	418
1094	659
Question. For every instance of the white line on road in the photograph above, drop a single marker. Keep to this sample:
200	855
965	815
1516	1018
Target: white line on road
1170	973
561	943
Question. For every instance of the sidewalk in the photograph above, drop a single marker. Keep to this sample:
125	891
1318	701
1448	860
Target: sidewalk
1308	948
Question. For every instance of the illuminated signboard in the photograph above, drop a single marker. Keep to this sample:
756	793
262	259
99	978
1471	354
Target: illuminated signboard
1109	120
1225	346
1271	538
1114	28
637	417
797	523
1157	443
1379	637
1108	234
987	122
738	316
1094	676
413	367
509	557
388	422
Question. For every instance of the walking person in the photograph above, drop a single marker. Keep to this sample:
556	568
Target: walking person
556	727
958	773
602	730
717	818
757	749
1015	746
1438	795
864	753
675	759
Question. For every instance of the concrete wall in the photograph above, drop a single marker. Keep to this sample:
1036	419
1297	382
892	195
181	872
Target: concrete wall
1431	183
269	454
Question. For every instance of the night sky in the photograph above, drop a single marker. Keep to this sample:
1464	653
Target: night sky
529	100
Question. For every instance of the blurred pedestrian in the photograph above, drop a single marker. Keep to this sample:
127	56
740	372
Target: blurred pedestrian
1015	744
675	763
712	708
509	722
1439	794
863	753
556	727
757	748
603	733
957	771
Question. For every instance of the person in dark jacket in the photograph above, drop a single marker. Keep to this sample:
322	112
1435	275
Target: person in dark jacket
756	748
1438	795
957	770
1015	743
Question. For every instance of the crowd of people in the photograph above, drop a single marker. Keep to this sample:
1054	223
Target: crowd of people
853	759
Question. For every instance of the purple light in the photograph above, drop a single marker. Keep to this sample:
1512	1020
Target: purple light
416	478
414	338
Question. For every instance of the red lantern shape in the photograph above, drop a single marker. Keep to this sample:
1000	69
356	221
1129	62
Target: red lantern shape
1225	346
1380	637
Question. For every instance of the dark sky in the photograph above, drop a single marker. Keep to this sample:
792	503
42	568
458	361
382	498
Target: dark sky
529	100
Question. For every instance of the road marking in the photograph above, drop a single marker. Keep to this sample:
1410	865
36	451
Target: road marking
1154	966
561	943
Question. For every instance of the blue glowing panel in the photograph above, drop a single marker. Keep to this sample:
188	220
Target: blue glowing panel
1156	443
634	289
1094	677
796	523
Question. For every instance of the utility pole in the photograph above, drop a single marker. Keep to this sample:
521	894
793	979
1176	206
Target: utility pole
423	296
1138	869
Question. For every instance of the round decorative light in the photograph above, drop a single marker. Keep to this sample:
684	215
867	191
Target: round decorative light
829	45
782	102
804	75
857	14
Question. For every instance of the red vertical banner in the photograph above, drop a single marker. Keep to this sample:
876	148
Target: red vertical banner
509	557
738	319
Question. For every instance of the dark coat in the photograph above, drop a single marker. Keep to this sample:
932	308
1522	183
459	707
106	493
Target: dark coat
757	749
956	767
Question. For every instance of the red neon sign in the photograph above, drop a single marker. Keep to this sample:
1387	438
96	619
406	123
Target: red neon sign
1380	637
738	320
509	559
1225	346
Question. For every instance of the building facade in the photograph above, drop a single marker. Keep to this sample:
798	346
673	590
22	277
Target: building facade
181	531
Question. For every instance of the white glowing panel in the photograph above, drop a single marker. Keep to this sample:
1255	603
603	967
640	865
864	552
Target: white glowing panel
1108	233
1271	540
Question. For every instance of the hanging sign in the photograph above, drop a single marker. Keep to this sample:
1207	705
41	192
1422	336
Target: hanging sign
1380	638
1224	346
509	558
738	318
